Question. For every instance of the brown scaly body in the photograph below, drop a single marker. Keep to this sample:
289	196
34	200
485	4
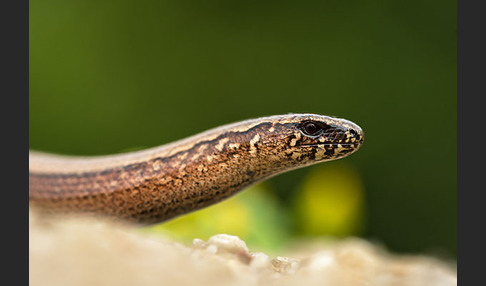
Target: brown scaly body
160	183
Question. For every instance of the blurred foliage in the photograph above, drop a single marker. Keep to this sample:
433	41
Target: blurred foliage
110	76
254	215
330	202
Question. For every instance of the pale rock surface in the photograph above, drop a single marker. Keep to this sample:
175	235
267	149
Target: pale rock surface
88	252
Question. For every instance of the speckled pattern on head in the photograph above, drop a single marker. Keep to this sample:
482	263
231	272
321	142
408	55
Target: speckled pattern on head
160	183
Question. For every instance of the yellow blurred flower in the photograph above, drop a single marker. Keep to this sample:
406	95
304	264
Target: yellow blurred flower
330	201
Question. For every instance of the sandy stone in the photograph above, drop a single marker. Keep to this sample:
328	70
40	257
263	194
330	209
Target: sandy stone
92	252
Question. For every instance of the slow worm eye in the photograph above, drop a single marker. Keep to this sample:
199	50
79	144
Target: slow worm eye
311	128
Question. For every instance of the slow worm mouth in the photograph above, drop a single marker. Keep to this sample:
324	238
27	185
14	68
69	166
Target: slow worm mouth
354	145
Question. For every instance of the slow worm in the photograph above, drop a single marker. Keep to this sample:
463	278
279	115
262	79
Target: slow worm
160	183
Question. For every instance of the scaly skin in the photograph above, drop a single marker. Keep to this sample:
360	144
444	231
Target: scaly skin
160	183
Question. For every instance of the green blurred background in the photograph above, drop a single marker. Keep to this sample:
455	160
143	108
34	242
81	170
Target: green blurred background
113	76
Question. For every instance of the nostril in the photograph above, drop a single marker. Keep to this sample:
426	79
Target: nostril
353	132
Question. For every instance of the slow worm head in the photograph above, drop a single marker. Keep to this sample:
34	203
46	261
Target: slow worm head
160	183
